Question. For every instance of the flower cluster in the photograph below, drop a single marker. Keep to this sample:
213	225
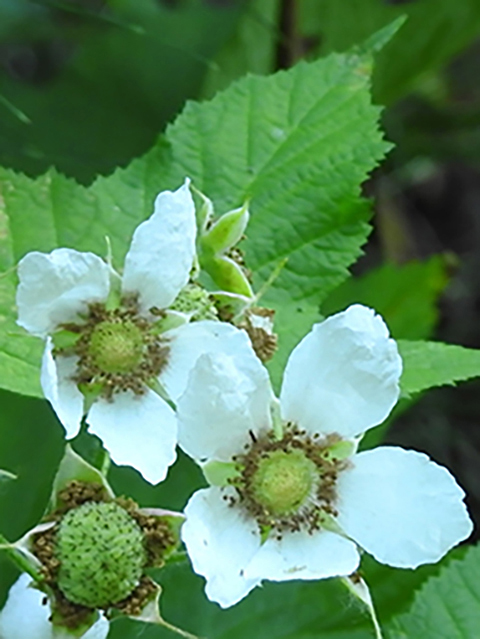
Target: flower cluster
151	359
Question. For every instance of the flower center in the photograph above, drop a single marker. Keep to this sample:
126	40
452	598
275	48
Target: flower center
117	350
283	481
288	484
101	552
116	347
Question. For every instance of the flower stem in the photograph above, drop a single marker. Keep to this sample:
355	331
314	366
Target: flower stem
177	630
19	559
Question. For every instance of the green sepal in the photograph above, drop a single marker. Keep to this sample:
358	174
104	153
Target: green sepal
264	533
170	319
65	340
218	473
232	304
174	520
90	391
227	275
114	298
341	450
226	232
204	213
61	631
359	589
151	614
73	467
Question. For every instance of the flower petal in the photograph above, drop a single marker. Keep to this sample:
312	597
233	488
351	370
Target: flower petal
161	255
60	389
189	341
24	615
220	540
137	430
304	556
343	376
401	507
56	287
227	398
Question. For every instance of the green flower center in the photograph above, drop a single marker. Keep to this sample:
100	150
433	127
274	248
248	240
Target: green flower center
283	481
116	347
101	552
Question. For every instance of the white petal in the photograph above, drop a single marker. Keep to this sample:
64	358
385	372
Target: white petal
60	390
220	540
56	287
24	615
161	255
227	397
303	556
189	341
343	376
401	507
140	431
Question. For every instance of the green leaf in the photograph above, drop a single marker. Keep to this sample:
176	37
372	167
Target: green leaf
392	589
447	605
434	31
434	364
297	145
405	296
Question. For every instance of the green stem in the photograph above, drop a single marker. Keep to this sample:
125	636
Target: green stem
177	630
19	559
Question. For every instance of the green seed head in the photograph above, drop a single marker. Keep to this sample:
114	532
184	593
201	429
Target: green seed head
101	552
116	347
283	481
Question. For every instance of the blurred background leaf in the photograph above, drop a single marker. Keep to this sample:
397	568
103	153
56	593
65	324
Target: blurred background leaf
99	80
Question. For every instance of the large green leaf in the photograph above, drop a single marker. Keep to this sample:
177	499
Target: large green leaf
434	364
447	605
298	145
434	31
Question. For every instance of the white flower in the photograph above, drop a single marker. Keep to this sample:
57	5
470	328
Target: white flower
26	615
300	501
108	339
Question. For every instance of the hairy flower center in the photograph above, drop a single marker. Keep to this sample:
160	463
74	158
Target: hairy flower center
117	350
288	484
116	347
283	481
102	554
